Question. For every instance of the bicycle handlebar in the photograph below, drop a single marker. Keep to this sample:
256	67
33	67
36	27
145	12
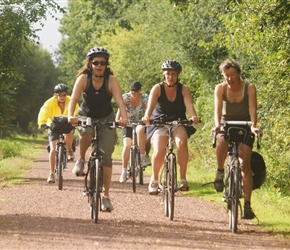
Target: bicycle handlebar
237	123
90	123
175	122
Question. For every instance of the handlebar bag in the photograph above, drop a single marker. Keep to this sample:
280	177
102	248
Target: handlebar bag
236	133
60	125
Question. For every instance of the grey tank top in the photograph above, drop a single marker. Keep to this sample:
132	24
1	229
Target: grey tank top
236	111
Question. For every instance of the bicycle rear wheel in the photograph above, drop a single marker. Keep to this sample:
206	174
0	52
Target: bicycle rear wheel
133	165
60	167
171	185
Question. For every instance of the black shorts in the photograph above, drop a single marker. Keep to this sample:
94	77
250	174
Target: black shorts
249	141
128	132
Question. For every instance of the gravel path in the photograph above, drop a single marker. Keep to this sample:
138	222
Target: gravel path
36	215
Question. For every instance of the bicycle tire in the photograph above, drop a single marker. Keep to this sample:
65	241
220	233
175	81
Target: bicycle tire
235	198
164	188
133	159
97	193
171	185
140	169
60	167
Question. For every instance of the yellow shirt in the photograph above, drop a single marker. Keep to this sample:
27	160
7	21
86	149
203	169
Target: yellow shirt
50	108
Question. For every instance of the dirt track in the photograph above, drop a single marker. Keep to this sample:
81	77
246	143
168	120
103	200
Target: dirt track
37	215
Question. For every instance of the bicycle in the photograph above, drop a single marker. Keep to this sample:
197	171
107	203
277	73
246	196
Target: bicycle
168	178
94	188
235	132
135	169
60	126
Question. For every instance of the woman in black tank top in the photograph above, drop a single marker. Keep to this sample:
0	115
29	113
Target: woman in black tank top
169	99
97	85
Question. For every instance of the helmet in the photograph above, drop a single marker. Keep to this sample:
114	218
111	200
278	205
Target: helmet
171	64
98	51
60	88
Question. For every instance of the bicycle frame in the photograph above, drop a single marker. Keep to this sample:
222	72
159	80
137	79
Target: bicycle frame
134	169
94	188
233	182
168	178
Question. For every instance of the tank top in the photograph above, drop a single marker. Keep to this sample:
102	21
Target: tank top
97	103
170	110
236	111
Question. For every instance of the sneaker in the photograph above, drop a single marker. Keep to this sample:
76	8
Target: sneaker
147	160
123	177
248	212
106	204
219	181
153	187
225	196
184	185
70	155
51	178
78	169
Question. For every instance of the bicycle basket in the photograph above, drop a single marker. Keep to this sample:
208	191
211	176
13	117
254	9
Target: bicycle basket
236	133
258	167
60	125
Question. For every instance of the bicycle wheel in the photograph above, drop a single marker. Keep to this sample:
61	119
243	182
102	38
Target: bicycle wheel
140	169
171	185
60	167
234	199
133	165
164	177
97	191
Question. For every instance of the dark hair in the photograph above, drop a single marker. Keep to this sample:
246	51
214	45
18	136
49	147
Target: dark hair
230	63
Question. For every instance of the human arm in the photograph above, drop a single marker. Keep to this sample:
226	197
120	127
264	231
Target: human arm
252	94
152	101
218	105
78	88
115	89
187	98
45	113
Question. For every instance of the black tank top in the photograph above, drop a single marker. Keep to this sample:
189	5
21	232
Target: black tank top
170	110
97	103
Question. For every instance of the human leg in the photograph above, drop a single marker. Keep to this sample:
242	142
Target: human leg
159	142
69	142
125	158
221	155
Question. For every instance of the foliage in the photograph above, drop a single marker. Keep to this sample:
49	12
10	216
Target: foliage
16	19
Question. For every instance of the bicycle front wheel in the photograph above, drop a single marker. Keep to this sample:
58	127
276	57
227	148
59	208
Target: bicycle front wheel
94	190
171	185
61	158
234	200
133	165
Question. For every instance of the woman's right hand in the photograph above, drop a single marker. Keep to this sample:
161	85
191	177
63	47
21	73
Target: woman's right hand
73	120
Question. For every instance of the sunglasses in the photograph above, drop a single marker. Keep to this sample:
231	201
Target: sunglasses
96	63
61	95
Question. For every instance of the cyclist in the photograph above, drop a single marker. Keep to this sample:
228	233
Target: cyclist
136	103
236	100
169	99
56	106
97	84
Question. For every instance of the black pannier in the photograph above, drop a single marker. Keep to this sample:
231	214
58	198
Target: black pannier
60	125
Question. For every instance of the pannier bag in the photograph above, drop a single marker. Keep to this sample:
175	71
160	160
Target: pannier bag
60	125
258	167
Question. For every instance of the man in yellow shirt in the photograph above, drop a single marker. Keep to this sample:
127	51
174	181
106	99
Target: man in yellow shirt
55	106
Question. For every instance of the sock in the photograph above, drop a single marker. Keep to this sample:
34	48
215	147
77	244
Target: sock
247	203
220	170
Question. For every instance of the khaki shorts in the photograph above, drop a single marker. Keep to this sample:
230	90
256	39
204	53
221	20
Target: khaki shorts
107	136
161	131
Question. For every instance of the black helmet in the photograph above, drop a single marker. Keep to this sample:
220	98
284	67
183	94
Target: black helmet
60	88
171	64
98	51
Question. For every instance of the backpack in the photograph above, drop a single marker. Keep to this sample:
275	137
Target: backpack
258	167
